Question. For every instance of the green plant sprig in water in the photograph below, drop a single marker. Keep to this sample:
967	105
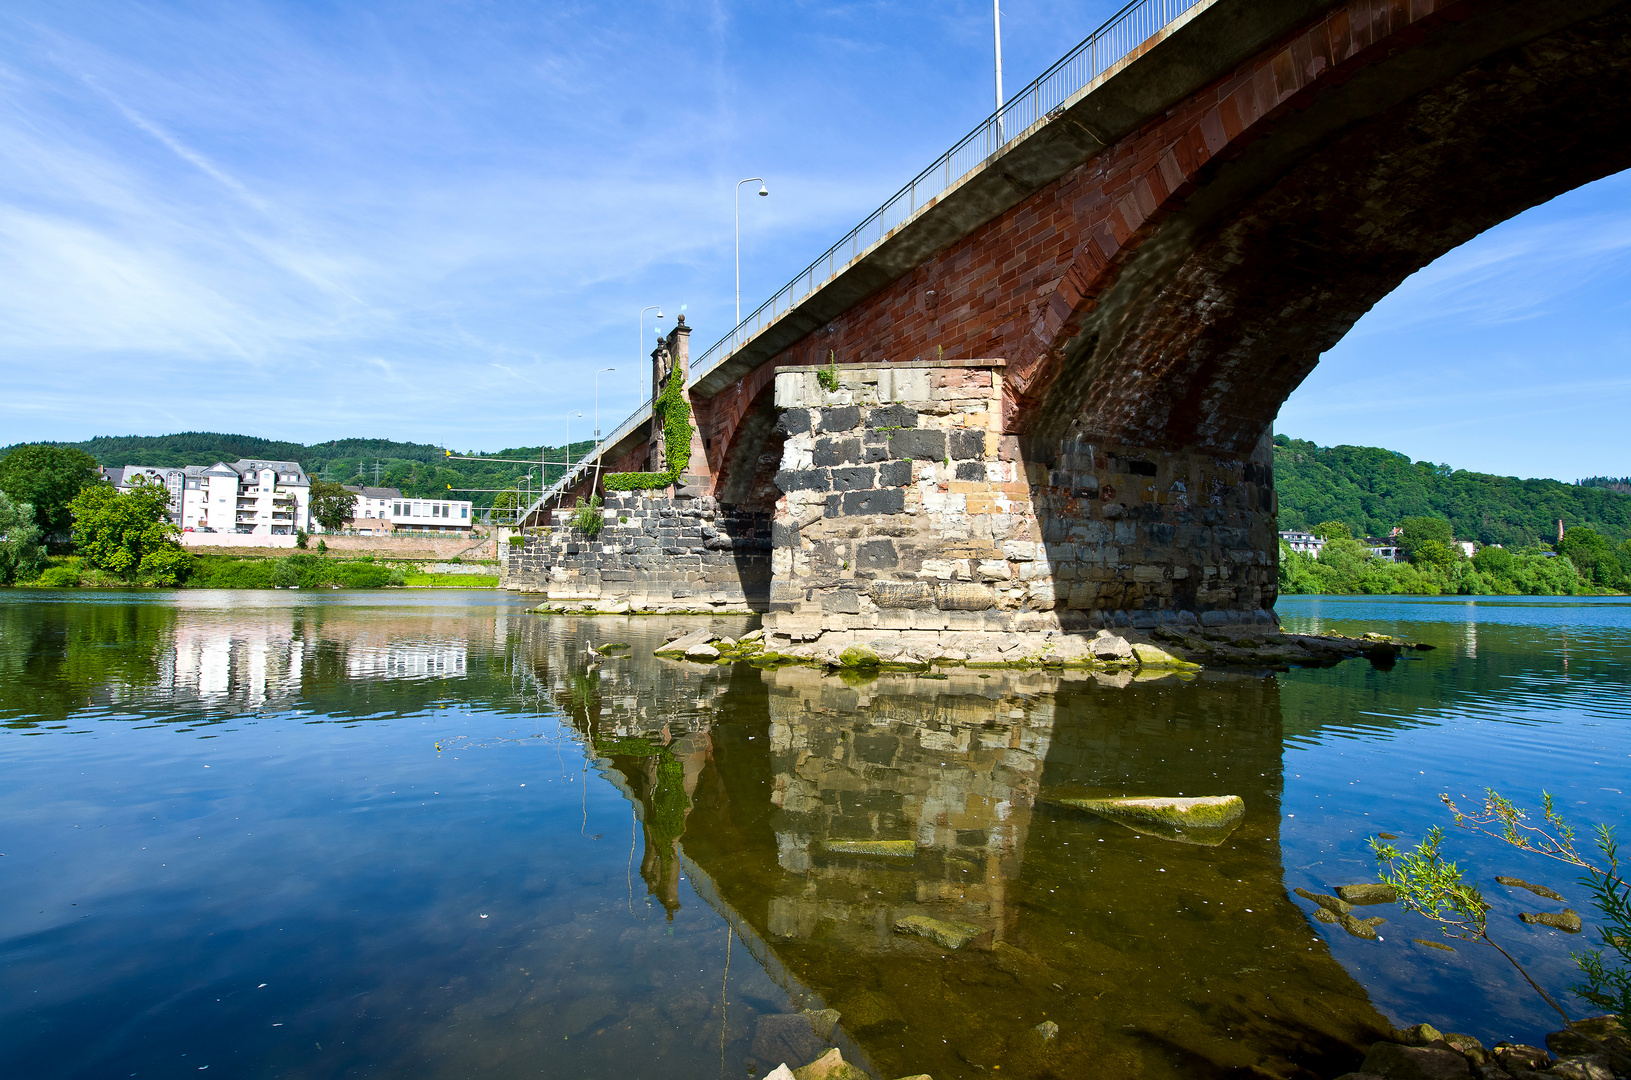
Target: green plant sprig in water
1439	891
1607	969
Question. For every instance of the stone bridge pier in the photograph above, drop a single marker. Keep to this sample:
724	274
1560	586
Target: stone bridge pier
905	508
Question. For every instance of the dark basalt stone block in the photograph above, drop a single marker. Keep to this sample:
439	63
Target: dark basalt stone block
876	555
853	479
830	452
803	480
971	470
891	416
967	443
888	501
895	474
921	445
841	418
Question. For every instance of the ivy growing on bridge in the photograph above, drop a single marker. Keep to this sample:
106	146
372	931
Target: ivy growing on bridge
677	428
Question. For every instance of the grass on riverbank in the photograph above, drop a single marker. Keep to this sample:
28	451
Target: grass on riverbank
300	569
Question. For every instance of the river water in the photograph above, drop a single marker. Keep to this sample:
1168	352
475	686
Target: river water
414	834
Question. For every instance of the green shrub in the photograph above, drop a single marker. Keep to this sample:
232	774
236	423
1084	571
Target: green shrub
587	518
58	577
360	575
216	573
517	540
285	573
398	576
828	376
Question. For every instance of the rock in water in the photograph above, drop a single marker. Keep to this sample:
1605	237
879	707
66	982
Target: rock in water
1107	646
1567	920
1577	1040
786	1037
1595	1067
1329	903
1419	1035
1373	892
1538	890
946	933
702	653
1433	944
683	644
1515	1056
1361	928
1415	1063
1206	820
1047	1029
830	1066
1151	657
900	849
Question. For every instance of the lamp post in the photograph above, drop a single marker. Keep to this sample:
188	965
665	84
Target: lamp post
643	311
762	191
996	39
596	451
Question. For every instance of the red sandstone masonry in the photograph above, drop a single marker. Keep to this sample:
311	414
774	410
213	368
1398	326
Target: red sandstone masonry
1014	287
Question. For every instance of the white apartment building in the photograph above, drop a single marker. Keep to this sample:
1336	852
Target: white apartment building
1304	543
248	497
380	511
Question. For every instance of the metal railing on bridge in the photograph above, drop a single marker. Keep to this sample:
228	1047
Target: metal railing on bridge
1102	50
577	471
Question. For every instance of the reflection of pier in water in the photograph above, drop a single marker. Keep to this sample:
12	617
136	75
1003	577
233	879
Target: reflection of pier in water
1154	958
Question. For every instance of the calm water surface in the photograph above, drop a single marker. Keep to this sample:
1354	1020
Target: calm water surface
413	835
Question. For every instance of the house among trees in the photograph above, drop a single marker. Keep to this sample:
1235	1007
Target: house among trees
248	497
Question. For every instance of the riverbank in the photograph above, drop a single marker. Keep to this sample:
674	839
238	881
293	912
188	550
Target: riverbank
298	569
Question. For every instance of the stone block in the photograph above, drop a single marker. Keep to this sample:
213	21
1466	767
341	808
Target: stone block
902	594
903	384
829	452
876	555
891	416
887	501
784	535
994	570
854	479
966	444
964	596
970	470
841	602
920	444
842	418
789	480
894	473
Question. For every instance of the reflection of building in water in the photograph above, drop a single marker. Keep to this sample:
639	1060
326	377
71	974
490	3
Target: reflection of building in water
408	659
949	773
248	663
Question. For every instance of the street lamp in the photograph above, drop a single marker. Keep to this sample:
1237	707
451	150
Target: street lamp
762	191
643	311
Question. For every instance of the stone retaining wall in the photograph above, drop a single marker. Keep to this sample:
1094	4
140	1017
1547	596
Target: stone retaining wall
906	509
665	552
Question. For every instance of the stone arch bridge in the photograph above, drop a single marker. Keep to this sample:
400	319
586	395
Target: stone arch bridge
1060	351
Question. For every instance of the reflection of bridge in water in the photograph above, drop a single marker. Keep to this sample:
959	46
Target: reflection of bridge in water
1154	958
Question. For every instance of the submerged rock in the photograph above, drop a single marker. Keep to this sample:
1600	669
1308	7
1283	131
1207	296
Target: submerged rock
1395	1062
829	1066
1329	903
1567	920
1590	1067
1578	1039
1047	1029
1433	944
900	849
1206	820
1369	893
786	1037
1108	646
1361	928
1538	890
946	933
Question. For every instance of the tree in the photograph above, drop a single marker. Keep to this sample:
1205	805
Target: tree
1417	531
1331	530
1593	557
21	554
48	478
331	505
127	533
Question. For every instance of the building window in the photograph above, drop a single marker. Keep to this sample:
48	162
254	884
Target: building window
464	511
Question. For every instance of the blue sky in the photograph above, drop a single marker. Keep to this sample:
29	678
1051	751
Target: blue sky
434	222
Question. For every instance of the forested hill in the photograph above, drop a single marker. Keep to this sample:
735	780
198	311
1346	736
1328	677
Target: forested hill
419	469
1372	490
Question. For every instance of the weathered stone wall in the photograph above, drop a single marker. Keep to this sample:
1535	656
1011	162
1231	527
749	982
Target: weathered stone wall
654	553
906	509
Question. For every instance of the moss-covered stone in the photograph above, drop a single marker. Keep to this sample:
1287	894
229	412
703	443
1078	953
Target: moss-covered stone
947	933
894	848
1205	820
858	656
1371	892
1150	656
